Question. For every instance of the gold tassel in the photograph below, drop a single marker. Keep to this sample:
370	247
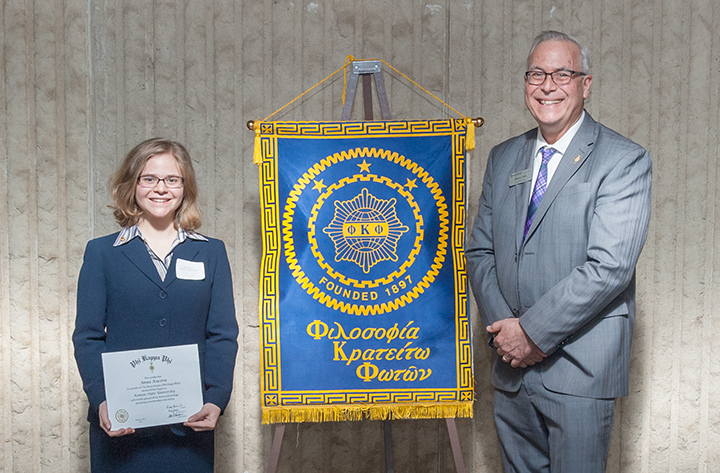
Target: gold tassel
257	154
470	135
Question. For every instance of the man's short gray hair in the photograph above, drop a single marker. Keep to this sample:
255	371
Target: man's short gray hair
558	36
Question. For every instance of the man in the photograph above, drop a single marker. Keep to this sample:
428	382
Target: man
551	261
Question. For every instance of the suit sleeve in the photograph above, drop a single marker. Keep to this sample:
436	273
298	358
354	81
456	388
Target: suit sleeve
221	335
617	233
89	335
480	256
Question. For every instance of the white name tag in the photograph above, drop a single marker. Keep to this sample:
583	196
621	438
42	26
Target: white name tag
192	270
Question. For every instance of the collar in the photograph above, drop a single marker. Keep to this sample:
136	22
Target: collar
128	233
562	144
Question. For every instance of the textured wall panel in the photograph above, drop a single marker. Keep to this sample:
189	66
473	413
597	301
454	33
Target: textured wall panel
82	82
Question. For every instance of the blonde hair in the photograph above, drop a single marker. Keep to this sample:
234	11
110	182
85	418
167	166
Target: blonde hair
124	182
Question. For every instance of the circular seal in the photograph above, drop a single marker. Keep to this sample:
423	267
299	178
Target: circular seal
363	243
121	416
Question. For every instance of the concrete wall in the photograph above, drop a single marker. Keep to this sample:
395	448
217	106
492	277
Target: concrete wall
83	81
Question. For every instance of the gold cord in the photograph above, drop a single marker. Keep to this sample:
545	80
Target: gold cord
470	143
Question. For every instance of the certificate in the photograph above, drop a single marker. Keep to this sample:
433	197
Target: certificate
154	386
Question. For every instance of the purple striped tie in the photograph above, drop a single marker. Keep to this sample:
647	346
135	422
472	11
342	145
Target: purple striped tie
540	186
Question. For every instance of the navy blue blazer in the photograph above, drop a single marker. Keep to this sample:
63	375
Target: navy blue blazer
122	304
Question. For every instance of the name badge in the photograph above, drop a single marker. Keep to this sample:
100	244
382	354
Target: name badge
191	270
520	177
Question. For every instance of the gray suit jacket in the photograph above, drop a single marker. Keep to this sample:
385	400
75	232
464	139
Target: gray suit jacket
571	282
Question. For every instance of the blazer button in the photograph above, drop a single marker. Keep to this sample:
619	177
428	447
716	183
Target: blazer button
516	312
163	322
163	294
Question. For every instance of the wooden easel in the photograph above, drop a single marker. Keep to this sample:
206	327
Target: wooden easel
366	69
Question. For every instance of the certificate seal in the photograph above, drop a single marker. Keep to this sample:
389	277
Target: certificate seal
121	416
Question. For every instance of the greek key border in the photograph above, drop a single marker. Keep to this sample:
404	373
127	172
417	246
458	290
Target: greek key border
271	389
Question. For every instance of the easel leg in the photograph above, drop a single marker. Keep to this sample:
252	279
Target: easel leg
275	451
455	444
367	97
389	463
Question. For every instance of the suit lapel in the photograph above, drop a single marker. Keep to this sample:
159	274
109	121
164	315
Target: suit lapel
187	250
522	191
580	148
137	253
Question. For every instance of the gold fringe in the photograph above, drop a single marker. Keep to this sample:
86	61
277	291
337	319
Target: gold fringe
347	412
469	134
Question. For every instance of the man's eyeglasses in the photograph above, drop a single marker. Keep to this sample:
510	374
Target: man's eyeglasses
149	181
562	77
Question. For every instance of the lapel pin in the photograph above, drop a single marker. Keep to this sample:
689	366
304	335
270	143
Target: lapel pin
577	158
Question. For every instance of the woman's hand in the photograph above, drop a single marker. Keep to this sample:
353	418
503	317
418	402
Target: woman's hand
106	425
205	419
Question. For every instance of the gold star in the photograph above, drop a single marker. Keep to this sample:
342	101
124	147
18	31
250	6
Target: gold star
319	186
365	166
411	184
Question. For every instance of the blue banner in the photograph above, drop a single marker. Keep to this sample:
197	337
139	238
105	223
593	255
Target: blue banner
363	302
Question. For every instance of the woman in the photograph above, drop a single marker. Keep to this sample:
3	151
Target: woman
133	294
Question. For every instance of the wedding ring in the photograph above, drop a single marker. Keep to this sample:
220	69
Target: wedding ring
505	359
